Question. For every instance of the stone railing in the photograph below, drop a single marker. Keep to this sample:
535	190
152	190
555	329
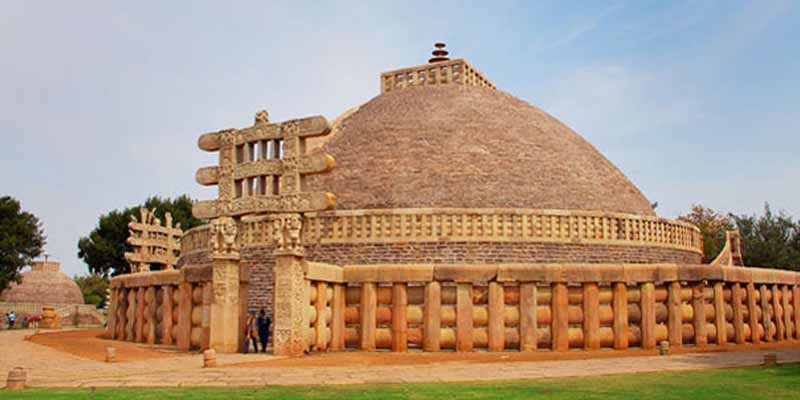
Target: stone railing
325	311
171	307
196	239
491	225
456	71
559	307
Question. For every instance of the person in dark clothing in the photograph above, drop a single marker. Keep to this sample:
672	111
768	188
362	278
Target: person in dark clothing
263	322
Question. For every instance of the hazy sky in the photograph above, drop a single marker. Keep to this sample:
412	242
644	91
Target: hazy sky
101	103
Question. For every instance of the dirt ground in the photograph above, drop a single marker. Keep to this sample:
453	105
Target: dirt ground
91	345
357	358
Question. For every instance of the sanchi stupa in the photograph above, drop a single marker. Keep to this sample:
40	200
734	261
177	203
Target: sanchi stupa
47	293
442	215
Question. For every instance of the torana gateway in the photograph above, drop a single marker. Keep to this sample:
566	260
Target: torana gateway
444	214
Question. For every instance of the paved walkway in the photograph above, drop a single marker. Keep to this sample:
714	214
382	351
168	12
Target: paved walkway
48	367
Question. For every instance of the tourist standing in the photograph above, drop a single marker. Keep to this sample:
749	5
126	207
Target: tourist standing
263	323
250	333
11	319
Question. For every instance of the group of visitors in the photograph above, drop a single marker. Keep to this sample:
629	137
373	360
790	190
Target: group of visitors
257	330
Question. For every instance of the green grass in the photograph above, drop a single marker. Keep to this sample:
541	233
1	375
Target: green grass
740	383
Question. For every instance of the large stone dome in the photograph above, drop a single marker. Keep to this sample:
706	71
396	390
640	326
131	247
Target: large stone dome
44	284
468	147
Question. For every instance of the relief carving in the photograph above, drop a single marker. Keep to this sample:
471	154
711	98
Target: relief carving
223	236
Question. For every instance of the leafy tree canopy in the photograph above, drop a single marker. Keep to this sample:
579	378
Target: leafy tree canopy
769	240
712	225
21	240
93	288
104	249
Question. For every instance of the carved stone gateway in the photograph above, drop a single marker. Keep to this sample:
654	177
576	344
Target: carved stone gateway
153	243
262	170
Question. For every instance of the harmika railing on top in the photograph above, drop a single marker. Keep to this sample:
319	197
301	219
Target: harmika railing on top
456	71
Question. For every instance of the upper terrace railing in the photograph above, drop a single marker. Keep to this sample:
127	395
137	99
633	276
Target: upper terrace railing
497	225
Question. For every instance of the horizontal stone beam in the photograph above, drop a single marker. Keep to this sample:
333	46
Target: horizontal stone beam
314	163
151	258
297	202
154	278
305	127
565	273
323	272
388	273
155	228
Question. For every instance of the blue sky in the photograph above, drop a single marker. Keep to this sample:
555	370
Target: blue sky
101	103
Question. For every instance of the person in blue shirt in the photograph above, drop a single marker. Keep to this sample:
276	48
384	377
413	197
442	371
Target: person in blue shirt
263	322
11	319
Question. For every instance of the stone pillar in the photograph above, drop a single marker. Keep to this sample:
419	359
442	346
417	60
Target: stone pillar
290	304
719	314
559	312
112	315
150	315
787	316
796	301
591	318
778	317
399	317
752	309
432	316
464	322
648	306
184	333
769	329
166	315
738	315
699	306
139	316
620	316
337	317
224	324
674	315
528	326
497	333
321	325
368	314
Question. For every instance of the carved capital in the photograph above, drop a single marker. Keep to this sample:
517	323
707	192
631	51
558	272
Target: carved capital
286	232
224	237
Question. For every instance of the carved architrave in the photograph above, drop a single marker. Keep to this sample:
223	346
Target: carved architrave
152	242
245	169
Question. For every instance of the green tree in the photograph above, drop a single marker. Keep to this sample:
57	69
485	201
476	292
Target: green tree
21	240
712	225
104	249
93	288
770	240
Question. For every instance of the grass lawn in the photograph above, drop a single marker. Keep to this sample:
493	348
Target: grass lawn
740	383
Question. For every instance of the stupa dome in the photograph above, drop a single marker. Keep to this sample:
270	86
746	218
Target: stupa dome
44	284
468	147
